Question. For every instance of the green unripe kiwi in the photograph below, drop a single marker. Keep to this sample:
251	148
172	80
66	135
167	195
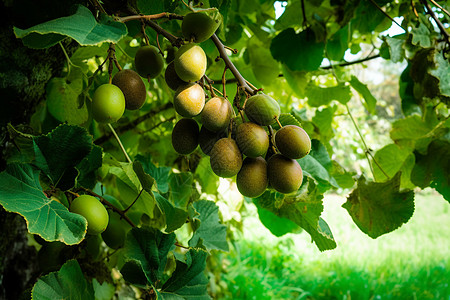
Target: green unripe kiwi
199	26
185	136
285	174
148	62
115	234
208	138
94	212
189	100
262	109
252	139
108	103
216	114
171	77
226	159
132	87
252	179
190	62
293	142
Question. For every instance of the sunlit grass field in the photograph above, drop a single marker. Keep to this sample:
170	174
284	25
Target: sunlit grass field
412	262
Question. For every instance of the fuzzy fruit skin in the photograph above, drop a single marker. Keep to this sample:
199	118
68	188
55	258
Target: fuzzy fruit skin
293	142
185	136
216	114
252	179
115	234
132	87
252	139
285	174
208	138
262	109
226	159
189	100
108	103
148	62
94	212
190	62
199	27
171	77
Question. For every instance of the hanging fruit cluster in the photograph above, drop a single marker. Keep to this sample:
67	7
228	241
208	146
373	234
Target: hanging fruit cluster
258	157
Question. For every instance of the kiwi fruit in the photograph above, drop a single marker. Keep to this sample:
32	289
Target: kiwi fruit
148	62
185	136
199	26
285	174
132	87
252	139
262	109
171	77
216	114
252	179
226	159
189	100
208	138
190	62
293	142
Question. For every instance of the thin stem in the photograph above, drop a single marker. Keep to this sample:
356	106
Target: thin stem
305	22
230	65
278	121
385	13
440	7
181	246
175	41
211	88
120	143
414	8
367	151
129	206
344	64
69	62
271	137
162	15
224	82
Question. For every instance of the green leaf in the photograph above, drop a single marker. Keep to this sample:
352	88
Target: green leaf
297	80
149	248
441	71
279	226
88	166
181	187
396	47
370	101
305	46
188	280
338	44
392	159
323	120
132	271
433	168
20	192
379	208
264	66
421	36
145	179
213	234
104	291
304	209
412	131
318	165
174	217
68	283
206	177
64	101
160	174
61	150
286	119
318	96
81	26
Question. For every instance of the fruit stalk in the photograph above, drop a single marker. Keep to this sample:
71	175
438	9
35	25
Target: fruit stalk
120	143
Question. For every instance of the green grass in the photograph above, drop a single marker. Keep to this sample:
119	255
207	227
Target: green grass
410	263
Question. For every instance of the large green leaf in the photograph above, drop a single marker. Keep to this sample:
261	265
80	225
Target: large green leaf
412	131
318	96
81	26
87	167
264	66
338	44
370	101
58	152
379	208
433	168
181	187
174	217
441	71
279	226
396	47
20	192
188	280
209	229
305	45
160	174
304	209
68	283
421	36
147	248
